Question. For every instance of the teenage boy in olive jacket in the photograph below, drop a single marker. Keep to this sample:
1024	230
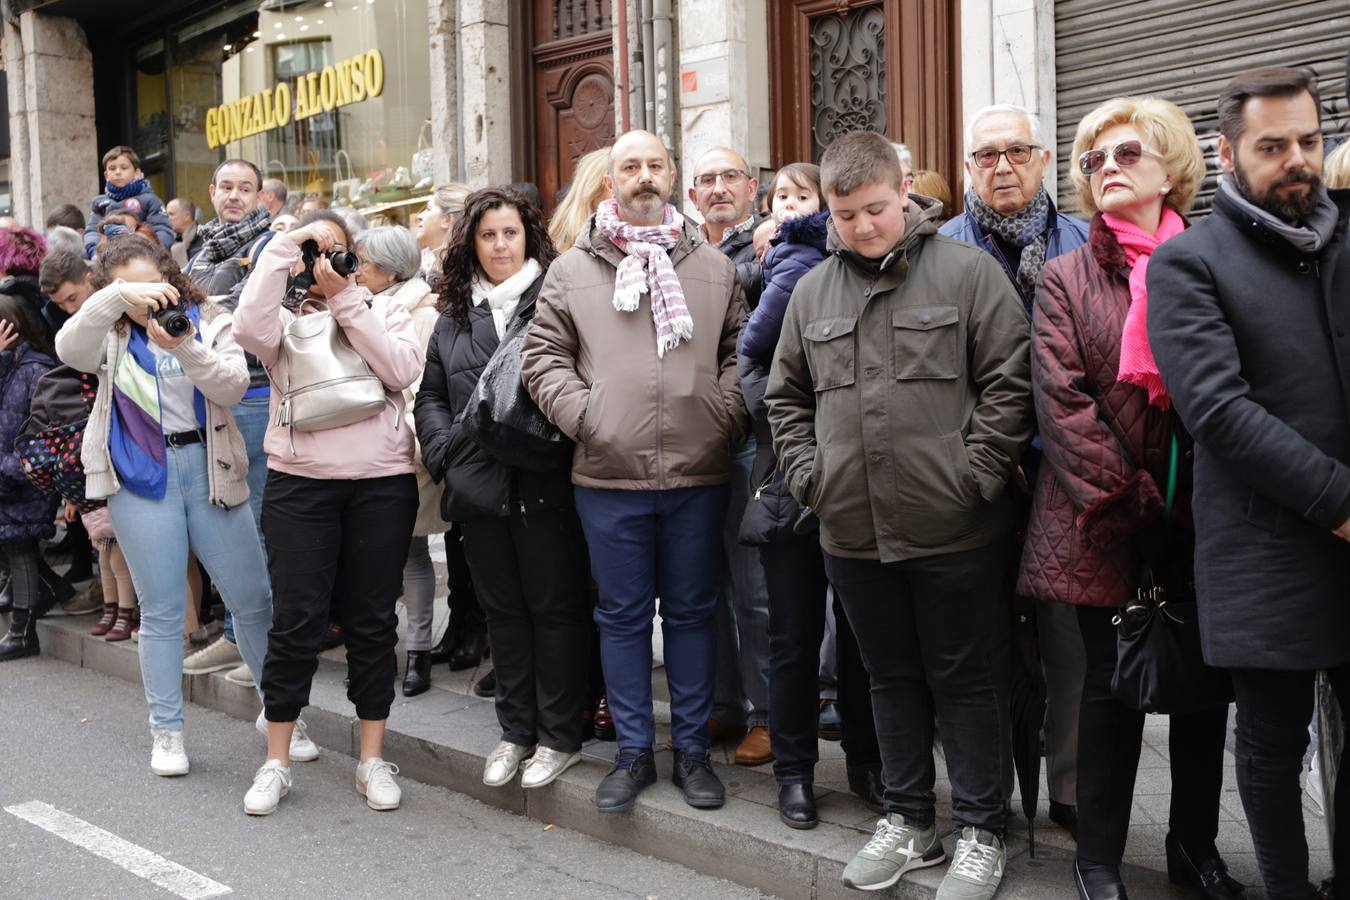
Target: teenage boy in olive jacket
900	400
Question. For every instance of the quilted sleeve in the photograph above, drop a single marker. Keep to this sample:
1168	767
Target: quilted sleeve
1112	498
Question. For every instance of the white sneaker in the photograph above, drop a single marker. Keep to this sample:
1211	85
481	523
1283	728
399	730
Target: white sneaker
241	676
271	782
219	655
375	781
546	765
977	867
167	756
503	763
302	748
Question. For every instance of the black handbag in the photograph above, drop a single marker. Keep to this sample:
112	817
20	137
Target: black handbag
504	421
1159	664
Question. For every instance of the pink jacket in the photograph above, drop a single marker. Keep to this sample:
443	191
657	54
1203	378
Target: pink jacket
382	333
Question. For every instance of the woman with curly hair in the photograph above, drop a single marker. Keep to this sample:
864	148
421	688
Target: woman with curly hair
521	534
163	449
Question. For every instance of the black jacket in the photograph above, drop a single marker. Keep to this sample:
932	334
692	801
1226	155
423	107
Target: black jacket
1253	341
477	486
740	249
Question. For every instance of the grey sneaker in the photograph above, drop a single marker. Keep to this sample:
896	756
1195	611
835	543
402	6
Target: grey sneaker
895	849
977	867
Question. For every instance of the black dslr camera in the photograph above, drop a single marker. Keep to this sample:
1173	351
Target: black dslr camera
343	262
173	320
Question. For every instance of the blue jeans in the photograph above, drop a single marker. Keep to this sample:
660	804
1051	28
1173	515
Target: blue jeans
741	696
154	536
646	544
250	415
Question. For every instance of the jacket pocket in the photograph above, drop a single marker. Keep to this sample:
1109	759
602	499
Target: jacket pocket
1263	513
927	342
830	349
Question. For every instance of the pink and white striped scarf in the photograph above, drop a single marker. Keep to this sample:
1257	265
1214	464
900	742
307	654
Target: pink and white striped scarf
646	268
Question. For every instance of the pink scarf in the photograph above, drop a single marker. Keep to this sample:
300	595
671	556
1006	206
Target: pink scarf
1137	365
647	269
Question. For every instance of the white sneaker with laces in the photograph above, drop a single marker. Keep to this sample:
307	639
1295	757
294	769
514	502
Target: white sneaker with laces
302	748
219	655
977	867
375	781
271	782
546	765
504	762
167	756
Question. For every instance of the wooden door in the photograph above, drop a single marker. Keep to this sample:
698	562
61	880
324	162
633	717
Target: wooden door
891	66
573	88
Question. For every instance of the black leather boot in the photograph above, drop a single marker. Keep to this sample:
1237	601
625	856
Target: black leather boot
618	791
445	647
1204	872
866	783
22	638
1098	882
472	649
694	775
417	677
486	687
797	805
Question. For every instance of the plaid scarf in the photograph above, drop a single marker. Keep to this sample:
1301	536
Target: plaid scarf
1025	229
646	268
222	240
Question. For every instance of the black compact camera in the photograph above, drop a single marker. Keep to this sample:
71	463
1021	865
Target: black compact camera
173	320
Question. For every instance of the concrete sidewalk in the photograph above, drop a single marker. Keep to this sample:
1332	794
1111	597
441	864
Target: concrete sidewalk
443	737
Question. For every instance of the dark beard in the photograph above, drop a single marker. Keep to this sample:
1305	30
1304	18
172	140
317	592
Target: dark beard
1293	210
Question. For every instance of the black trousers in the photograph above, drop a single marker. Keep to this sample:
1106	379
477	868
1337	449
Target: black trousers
934	635
24	562
528	572
1273	711
338	544
466	615
795	573
1110	736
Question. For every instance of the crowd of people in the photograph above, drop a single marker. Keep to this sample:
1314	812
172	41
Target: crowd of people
837	437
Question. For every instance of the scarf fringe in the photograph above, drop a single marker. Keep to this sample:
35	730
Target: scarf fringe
627	299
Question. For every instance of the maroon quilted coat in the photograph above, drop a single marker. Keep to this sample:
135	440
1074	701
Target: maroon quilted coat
1106	450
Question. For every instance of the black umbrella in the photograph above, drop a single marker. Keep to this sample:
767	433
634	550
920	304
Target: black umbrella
1027	702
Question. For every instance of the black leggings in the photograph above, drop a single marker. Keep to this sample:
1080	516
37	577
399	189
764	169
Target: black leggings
25	582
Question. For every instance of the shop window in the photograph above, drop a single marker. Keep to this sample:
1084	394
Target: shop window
307	147
150	139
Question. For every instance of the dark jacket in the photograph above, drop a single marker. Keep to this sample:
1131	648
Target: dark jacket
800	245
642	422
900	396
220	278
740	249
25	512
1253	341
1107	450
145	206
477	486
1066	234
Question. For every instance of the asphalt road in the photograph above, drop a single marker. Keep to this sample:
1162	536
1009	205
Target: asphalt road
78	741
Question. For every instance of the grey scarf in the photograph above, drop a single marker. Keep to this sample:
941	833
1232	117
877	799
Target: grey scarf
1310	237
1025	229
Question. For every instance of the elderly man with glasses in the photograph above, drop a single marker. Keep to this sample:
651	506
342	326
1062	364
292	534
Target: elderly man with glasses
1010	214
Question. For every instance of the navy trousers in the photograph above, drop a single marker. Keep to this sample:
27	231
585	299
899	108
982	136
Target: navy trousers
644	545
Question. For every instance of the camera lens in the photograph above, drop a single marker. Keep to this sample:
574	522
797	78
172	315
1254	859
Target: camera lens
344	262
174	321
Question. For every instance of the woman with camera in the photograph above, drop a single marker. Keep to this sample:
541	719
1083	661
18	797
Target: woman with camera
389	260
341	499
521	535
162	447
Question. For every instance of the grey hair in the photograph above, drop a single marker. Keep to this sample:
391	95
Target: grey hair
391	249
62	237
1033	123
905	155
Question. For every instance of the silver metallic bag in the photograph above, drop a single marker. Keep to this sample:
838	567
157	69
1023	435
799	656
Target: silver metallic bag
328	384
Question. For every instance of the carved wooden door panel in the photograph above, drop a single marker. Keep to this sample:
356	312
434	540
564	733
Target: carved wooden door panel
574	88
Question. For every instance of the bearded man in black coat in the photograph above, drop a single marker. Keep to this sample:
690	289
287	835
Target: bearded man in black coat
1249	319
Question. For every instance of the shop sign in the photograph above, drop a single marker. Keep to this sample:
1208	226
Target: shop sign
349	81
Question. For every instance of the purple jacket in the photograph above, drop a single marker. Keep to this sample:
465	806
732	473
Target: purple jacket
800	245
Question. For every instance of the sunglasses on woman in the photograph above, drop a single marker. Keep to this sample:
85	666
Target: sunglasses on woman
1126	154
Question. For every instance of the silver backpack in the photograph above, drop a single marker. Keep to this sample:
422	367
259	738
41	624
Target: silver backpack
328	384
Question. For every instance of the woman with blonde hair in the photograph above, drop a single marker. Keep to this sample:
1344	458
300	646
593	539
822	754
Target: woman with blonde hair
1113	504
432	225
1336	167
582	197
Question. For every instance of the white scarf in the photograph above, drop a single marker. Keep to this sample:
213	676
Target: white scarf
503	298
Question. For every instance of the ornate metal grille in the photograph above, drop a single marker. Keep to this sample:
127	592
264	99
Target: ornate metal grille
848	74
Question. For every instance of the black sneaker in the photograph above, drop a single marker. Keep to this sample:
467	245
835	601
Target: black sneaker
694	775
618	791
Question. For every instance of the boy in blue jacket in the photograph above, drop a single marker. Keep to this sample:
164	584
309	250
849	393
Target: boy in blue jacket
126	190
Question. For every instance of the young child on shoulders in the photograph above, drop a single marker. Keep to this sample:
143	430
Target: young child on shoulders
125	190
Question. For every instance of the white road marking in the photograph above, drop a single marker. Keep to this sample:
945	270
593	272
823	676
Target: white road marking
137	860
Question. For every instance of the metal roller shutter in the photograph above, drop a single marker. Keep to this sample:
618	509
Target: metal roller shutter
1186	51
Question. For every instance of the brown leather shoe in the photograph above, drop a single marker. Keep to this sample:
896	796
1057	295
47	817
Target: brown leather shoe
719	731
106	621
754	750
